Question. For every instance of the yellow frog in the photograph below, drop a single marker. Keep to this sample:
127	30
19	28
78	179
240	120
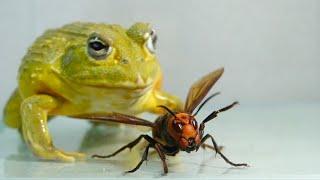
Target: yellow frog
85	68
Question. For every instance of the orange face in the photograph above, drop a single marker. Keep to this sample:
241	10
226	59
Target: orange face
184	129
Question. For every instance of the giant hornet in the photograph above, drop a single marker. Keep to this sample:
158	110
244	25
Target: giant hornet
175	131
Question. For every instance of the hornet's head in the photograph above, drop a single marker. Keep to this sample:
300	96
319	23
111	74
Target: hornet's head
184	129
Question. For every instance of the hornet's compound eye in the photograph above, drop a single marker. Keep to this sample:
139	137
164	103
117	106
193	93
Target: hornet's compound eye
177	126
98	49
194	123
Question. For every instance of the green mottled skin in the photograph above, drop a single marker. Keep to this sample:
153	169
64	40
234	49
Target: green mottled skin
58	77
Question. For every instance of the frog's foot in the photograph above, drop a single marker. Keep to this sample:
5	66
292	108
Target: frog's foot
77	155
60	155
35	130
162	98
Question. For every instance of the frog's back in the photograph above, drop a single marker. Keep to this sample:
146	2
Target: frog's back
50	46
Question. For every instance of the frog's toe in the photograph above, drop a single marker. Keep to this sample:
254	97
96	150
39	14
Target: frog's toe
76	155
60	155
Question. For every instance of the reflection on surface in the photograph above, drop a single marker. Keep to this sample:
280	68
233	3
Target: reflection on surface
99	139
103	140
2	126
249	134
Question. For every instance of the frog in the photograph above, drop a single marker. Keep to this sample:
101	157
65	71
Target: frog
85	68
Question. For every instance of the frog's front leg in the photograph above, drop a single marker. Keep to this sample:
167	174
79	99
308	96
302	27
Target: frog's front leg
166	99
34	112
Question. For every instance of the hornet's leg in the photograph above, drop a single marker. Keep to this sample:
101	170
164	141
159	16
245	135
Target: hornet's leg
34	114
152	143
218	151
145	154
204	146
144	158
162	156
215	113
130	146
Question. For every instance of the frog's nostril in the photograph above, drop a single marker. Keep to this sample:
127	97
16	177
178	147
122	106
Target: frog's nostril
124	61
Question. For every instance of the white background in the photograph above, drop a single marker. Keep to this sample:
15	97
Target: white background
270	49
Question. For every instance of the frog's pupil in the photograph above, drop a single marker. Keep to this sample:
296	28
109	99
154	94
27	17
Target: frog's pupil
97	46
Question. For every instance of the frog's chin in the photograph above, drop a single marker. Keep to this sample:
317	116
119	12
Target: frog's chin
123	85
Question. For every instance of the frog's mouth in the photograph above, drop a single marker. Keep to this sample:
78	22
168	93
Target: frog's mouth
114	78
139	84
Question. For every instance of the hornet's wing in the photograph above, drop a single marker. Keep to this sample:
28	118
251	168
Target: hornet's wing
200	88
117	117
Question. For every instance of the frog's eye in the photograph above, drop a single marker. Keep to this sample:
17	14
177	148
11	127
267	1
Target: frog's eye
98	49
151	41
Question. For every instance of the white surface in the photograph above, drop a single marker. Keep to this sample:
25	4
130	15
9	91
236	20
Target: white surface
280	141
270	48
